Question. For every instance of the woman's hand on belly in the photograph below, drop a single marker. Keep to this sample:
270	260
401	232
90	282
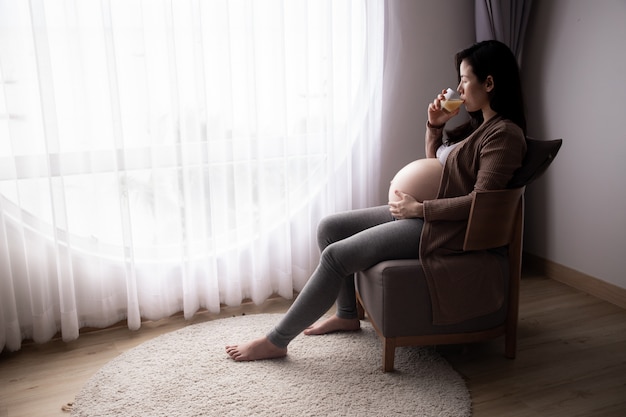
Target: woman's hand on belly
406	207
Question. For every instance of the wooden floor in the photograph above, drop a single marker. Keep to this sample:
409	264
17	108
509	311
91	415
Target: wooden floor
571	359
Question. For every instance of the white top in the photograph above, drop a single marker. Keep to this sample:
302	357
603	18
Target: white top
443	151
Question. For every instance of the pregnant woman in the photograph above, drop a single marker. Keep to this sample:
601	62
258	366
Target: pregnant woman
481	154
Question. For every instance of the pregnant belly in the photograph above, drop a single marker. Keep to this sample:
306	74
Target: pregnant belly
419	179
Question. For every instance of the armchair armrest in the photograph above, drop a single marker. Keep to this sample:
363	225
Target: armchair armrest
493	218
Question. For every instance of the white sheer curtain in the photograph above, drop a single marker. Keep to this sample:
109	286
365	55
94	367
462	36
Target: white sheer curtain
162	156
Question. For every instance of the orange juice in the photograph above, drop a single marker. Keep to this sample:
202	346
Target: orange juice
451	105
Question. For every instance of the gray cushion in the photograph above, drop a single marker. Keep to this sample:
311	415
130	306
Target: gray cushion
539	156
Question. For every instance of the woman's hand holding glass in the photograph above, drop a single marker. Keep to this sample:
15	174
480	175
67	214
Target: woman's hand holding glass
437	116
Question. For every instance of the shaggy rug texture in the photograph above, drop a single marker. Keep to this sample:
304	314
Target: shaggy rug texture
187	373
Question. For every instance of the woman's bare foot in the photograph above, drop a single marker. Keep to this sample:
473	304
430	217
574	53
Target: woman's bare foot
334	324
256	350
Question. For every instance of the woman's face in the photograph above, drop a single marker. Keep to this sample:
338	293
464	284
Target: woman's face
472	90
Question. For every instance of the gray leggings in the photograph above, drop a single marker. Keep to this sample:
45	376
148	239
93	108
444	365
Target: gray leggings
350	242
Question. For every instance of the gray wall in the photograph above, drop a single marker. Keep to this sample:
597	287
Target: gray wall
574	74
574	70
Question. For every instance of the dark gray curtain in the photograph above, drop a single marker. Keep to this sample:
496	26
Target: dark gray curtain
503	20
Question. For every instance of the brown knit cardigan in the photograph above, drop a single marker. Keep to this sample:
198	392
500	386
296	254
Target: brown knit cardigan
465	285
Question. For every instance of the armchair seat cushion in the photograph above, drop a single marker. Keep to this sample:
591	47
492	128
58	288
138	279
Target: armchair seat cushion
398	301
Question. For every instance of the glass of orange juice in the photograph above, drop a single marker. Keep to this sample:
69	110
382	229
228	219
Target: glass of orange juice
451	102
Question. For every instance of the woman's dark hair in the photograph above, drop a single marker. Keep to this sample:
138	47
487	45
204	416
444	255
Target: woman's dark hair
496	59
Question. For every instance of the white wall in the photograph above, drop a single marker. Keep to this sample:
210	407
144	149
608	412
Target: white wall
574	73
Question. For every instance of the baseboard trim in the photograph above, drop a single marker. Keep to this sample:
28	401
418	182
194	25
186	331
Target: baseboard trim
583	282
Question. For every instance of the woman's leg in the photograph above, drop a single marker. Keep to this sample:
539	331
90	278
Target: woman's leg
334	275
366	237
337	227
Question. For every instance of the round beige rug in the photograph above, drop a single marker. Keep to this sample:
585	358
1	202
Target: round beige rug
187	373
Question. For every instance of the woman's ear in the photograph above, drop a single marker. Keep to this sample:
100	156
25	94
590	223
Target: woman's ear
489	84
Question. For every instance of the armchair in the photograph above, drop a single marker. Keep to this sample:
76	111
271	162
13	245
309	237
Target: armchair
394	294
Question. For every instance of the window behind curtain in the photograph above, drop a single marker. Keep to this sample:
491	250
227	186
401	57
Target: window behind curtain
159	156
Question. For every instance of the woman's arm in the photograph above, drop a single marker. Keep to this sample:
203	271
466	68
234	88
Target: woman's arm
448	209
433	140
437	119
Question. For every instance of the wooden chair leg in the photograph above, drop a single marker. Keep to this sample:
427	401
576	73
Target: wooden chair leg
510	344
359	309
389	353
510	336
